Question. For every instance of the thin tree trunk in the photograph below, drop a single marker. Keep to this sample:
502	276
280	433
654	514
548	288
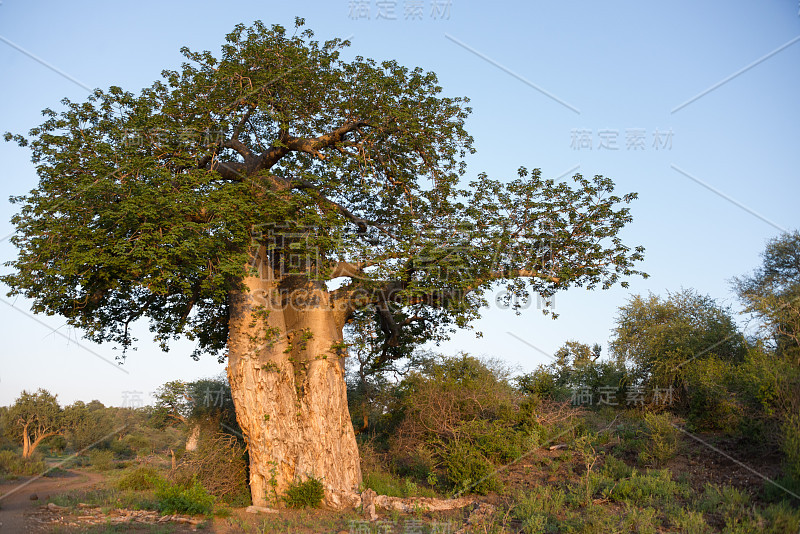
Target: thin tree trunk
28	446
194	438
26	443
286	371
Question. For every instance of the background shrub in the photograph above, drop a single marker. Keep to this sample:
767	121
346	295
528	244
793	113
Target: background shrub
468	471
101	459
661	441
13	464
791	445
141	478
219	465
711	404
190	499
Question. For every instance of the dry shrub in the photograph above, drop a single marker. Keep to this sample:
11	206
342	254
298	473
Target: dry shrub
219	465
459	417
439	401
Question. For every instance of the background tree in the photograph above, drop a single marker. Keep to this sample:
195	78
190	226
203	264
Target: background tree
661	336
772	292
88	424
218	202
577	374
32	418
211	411
173	404
211	401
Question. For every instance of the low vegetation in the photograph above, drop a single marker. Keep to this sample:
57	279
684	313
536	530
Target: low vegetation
659	436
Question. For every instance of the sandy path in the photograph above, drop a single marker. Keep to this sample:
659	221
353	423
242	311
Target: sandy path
15	496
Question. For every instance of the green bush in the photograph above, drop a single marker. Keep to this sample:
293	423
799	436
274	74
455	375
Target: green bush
496	439
306	494
121	449
615	469
534	509
791	445
646	488
541	383
12	464
690	522
711	403
631	438
782	518
468	471
138	444
641	521
776	492
727	501
661	442
101	459
418	464
141	478
192	499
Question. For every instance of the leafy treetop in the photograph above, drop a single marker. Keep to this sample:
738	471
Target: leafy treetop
150	205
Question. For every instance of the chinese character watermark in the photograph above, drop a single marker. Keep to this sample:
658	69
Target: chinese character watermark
132	399
388	9
607	139
634	396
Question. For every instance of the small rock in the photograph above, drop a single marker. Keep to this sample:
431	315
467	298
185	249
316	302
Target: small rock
55	508
34	497
368	504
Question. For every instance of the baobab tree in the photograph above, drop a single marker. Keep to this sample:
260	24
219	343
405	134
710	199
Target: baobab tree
254	202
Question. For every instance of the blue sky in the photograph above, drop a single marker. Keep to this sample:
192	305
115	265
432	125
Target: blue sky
718	81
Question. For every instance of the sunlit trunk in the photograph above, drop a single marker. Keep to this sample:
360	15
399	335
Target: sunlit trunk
26	443
286	371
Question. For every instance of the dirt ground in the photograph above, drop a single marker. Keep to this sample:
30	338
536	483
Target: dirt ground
17	502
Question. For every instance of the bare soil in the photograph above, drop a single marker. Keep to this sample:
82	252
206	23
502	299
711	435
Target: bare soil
17	500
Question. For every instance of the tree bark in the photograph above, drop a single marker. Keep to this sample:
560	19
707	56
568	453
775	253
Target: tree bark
28	446
286	371
26	442
194	438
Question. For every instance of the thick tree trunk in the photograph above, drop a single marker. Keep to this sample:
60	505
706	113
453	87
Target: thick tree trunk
286	371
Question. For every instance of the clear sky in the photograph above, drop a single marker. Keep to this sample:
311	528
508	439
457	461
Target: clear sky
694	105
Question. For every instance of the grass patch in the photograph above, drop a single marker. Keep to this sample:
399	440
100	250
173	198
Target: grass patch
386	484
108	498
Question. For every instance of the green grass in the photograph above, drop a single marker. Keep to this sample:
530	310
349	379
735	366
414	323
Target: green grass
387	484
108	498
